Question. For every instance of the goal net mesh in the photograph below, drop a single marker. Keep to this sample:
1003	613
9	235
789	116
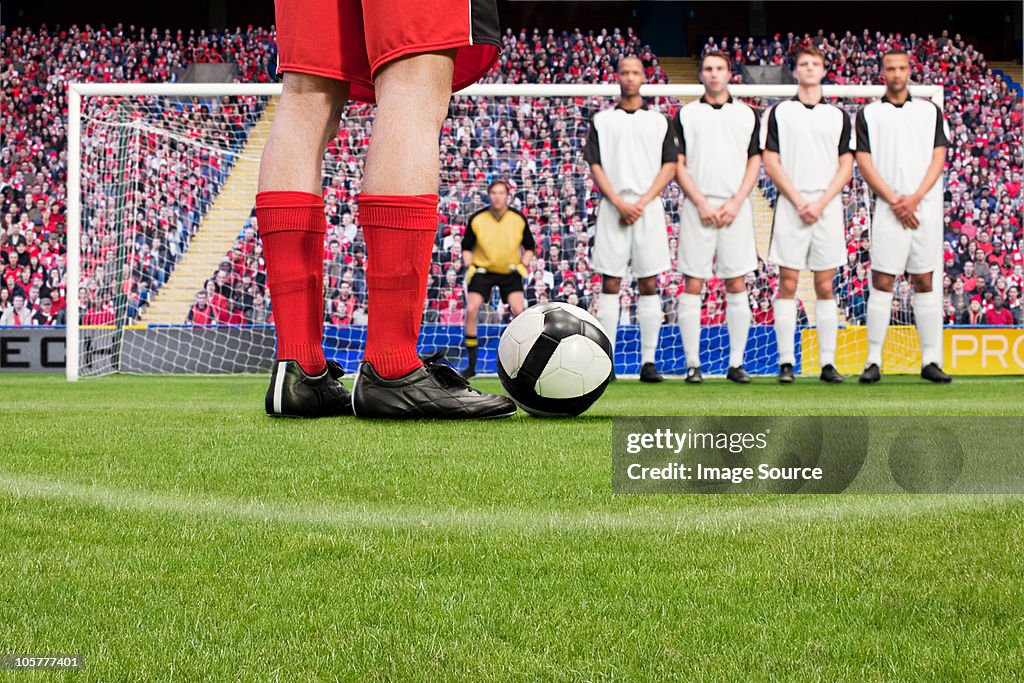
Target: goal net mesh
172	272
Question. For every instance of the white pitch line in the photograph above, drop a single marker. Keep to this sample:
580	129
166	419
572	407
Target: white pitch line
809	512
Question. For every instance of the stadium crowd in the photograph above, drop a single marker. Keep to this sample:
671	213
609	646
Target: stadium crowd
536	144
134	232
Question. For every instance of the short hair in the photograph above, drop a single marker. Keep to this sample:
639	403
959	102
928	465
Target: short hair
895	51
619	66
498	182
716	53
812	51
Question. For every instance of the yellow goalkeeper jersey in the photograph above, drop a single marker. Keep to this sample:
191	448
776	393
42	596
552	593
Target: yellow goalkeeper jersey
495	243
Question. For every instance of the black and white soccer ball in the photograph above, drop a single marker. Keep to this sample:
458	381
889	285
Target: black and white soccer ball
554	359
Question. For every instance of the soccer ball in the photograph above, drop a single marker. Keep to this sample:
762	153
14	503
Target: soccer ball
554	360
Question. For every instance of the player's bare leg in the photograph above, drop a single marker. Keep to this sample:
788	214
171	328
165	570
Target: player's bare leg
306	121
928	318
737	320
412	101
649	317
290	216
608	310
398	213
688	314
516	303
474	301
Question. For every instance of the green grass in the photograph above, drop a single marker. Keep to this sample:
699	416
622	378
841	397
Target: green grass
165	529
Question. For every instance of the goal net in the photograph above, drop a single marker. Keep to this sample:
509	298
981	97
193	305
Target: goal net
162	235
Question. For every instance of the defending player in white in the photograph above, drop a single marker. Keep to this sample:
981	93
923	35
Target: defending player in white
901	150
720	154
807	155
632	155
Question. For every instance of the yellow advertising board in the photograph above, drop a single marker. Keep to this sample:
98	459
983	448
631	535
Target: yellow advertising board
982	351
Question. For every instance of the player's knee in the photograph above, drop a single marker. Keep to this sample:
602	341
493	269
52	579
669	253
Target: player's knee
418	85
735	285
326	94
923	285
824	291
882	282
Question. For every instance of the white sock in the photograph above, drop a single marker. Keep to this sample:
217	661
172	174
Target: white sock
649	316
689	327
827	314
928	316
737	320
608	315
785	329
879	312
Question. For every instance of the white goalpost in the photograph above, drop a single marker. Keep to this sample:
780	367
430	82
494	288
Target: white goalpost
164	267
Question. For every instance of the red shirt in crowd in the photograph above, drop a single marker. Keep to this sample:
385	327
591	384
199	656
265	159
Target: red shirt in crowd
716	319
764	317
202	315
1000	316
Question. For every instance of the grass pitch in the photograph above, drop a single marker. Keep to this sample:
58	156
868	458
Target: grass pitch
164	528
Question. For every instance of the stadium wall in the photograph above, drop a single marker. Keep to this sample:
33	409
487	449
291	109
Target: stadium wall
227	349
31	349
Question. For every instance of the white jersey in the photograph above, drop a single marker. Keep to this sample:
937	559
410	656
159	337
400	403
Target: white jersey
717	140
901	140
809	139
631	146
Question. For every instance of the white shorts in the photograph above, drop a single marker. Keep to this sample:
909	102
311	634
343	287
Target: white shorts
802	246
732	249
644	243
896	250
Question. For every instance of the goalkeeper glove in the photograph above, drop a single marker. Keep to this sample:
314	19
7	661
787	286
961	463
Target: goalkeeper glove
470	272
518	268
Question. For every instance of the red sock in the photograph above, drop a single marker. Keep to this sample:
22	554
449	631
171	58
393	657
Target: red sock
399	232
292	226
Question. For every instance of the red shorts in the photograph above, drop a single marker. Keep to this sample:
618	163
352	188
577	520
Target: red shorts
349	40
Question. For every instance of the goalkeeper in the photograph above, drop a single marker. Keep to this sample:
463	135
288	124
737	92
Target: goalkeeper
496	249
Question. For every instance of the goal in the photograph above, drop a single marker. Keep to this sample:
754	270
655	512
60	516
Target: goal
163	241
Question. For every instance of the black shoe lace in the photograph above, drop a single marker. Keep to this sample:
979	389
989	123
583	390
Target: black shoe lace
445	373
336	389
335	370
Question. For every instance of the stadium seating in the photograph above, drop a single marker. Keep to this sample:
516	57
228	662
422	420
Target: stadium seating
481	140
33	160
